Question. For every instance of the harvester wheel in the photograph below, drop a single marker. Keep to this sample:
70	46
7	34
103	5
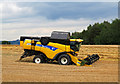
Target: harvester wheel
64	59
38	59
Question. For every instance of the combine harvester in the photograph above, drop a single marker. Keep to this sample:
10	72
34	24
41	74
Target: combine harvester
58	47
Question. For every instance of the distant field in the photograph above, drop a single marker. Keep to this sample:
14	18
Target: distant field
104	70
104	51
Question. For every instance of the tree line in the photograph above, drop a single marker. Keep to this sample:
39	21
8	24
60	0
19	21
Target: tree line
104	33
5	42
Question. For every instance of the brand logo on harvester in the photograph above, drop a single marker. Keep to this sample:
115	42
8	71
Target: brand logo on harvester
50	47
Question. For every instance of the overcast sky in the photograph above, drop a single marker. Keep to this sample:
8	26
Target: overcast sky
41	18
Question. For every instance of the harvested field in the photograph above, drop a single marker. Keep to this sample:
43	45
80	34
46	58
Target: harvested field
104	70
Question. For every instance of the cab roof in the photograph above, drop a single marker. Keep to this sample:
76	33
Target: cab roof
78	40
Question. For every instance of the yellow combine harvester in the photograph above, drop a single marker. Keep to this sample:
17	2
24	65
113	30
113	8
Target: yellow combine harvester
58	47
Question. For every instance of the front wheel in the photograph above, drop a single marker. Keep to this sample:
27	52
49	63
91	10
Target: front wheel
38	59
64	59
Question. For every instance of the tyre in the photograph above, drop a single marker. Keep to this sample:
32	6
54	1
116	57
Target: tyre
38	59
64	59
44	40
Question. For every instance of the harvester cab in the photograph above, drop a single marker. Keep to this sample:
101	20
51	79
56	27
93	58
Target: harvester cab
58	47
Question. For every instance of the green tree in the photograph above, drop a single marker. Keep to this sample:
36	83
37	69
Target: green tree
110	34
100	33
102	37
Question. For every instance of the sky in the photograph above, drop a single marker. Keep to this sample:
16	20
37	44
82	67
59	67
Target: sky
41	18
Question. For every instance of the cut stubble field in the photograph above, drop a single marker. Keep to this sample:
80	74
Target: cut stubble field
104	70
